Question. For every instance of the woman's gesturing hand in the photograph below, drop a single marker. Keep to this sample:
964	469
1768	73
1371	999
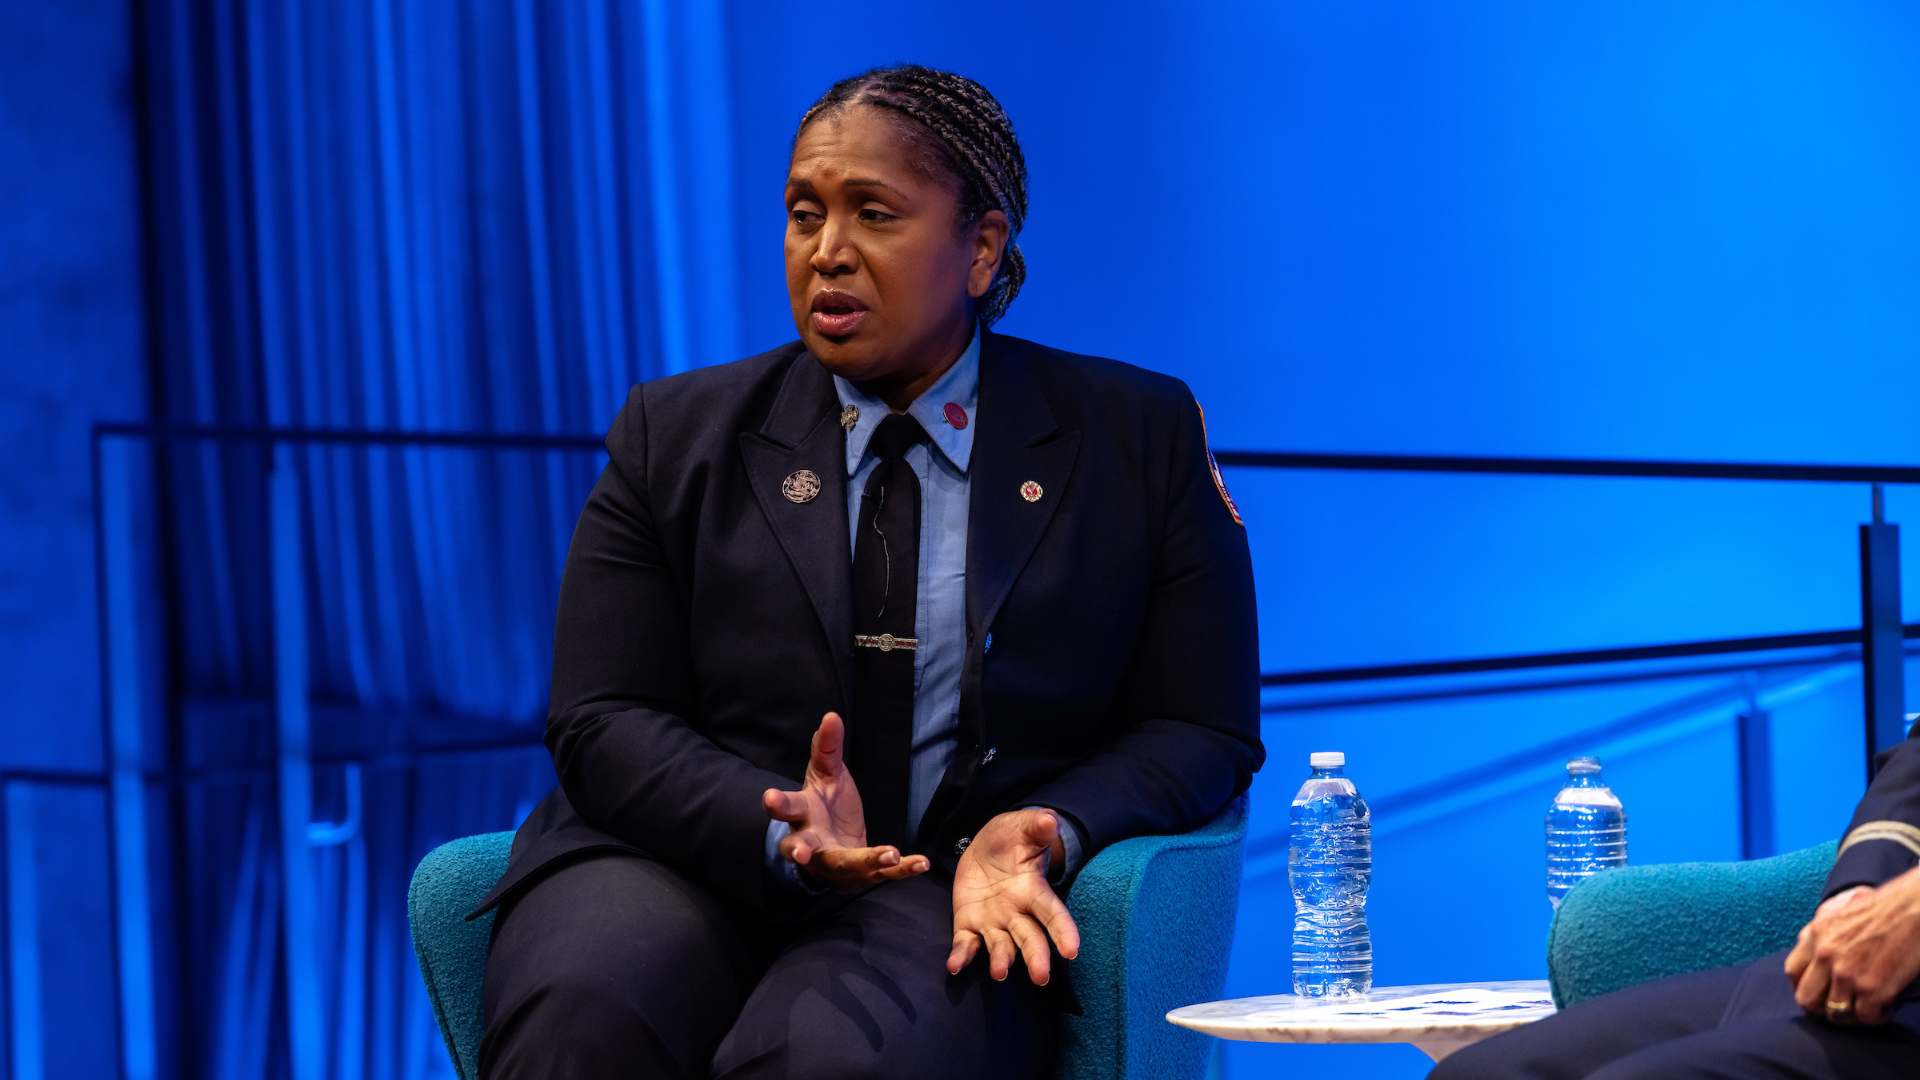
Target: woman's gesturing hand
1001	898
829	837
1859	952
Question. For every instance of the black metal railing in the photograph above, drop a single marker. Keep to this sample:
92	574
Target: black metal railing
1881	634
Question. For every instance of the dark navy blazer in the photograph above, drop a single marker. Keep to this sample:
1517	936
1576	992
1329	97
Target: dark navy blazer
1883	839
704	622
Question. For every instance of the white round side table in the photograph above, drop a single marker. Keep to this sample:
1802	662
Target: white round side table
1439	1018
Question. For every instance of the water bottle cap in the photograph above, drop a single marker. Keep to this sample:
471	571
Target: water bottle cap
1581	766
1327	759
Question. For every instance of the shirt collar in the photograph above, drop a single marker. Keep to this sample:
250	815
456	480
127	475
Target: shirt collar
958	385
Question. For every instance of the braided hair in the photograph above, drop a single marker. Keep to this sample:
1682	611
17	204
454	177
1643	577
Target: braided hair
957	129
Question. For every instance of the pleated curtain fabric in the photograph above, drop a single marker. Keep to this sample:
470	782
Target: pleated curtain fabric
375	214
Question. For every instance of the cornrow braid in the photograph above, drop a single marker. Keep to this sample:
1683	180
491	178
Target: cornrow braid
962	131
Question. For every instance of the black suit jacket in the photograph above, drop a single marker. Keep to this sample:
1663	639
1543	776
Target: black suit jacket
704	621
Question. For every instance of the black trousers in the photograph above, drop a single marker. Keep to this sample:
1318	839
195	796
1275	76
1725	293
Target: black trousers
1734	1022
619	966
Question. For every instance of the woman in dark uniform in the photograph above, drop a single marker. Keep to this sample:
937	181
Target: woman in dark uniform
1000	586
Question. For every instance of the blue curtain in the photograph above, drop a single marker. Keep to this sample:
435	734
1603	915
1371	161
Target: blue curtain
423	215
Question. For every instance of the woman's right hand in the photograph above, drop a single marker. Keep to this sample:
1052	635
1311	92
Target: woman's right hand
829	827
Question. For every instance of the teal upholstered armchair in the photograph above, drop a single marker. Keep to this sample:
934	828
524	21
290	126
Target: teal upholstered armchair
1639	923
1156	923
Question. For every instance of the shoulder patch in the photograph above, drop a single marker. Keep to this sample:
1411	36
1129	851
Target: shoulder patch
1213	467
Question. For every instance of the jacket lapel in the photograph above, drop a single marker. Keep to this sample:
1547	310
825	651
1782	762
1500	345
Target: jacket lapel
801	433
1018	442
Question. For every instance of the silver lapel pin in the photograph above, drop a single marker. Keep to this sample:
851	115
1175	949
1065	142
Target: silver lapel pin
800	486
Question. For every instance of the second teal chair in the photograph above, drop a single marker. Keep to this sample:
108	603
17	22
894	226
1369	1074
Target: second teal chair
1640	923
1156	923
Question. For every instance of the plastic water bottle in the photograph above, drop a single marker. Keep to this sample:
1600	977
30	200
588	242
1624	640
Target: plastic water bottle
1330	863
1586	829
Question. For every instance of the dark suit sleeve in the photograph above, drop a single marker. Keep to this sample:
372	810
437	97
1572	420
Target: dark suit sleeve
1883	840
628	760
1191	735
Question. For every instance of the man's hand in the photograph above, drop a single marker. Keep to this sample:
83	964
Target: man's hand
829	837
1001	898
1861	949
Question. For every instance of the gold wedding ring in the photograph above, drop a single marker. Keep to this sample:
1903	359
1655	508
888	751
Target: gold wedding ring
1839	1010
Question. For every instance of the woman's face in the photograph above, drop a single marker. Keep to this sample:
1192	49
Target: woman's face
882	283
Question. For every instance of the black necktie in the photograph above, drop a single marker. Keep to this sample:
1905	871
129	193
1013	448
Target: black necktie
886	585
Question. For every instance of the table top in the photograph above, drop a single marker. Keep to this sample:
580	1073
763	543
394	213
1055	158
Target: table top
1431	1016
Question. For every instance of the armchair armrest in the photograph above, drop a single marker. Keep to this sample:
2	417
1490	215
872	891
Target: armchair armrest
1156	925
1623	927
452	951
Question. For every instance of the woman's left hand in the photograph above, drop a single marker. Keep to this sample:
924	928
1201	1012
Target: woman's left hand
1001	899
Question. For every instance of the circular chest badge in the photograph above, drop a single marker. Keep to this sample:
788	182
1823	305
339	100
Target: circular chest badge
801	486
956	416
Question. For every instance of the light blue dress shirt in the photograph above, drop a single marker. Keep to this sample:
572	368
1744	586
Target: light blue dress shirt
940	619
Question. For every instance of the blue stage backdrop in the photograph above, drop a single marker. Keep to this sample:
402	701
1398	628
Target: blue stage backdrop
1494	228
